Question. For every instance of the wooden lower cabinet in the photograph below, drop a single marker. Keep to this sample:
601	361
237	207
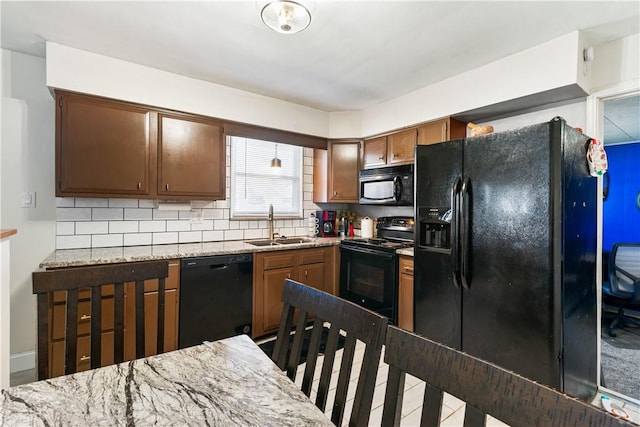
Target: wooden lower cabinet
405	294
57	323
315	267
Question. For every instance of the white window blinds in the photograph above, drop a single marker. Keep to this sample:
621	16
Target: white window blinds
255	185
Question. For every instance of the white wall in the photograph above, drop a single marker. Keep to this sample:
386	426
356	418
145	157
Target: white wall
616	62
27	164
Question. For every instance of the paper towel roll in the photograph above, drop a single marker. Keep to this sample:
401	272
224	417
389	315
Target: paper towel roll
366	227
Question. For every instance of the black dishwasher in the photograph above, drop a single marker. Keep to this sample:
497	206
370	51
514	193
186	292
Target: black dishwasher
216	294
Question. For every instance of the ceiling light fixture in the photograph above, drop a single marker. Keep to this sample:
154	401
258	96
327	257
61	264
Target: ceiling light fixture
286	17
275	162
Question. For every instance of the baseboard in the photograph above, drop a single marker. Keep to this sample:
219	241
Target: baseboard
22	361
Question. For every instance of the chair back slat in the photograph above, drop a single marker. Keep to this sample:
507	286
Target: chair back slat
96	327
342	317
484	387
96	278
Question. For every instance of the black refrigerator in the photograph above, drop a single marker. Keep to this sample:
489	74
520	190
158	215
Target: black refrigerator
505	252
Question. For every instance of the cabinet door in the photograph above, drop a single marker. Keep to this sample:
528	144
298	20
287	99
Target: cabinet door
343	172
375	152
401	146
103	148
313	275
405	294
433	132
273	283
191	158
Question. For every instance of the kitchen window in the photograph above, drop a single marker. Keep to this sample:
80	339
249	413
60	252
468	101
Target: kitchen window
255	185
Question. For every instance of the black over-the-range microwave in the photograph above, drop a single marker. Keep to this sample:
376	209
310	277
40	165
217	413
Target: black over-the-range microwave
387	186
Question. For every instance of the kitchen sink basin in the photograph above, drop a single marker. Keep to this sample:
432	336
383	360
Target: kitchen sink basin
277	242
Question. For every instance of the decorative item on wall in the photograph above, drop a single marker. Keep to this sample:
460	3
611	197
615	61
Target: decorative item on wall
285	17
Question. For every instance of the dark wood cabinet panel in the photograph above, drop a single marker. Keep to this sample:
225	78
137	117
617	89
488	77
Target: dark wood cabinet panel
103	147
191	157
314	267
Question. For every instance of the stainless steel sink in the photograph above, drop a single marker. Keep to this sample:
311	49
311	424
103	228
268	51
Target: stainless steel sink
277	242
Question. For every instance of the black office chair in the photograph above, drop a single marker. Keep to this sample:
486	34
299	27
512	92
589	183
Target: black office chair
624	282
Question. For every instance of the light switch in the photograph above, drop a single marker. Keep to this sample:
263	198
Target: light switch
28	199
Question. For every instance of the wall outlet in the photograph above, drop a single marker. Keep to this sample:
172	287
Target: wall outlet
28	199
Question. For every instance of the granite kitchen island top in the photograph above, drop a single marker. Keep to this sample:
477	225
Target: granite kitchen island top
230	382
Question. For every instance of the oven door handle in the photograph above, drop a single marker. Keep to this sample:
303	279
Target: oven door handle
387	255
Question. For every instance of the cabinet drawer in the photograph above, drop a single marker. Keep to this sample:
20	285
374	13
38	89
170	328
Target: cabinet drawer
279	260
311	256
84	318
406	265
83	354
83	294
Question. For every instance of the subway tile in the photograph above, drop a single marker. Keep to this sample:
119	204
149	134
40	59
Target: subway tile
233	235
73	214
137	239
212	213
222	204
205	224
123	226
65	228
65	202
147	203
106	240
158	214
152	226
307	152
178	226
254	233
123	203
107	214
92	227
202	204
164	238
307	161
307	170
234	225
221	224
138	214
73	242
189	236
81	202
212	236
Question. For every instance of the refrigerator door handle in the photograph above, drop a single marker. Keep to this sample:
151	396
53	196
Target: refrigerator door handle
464	233
455	232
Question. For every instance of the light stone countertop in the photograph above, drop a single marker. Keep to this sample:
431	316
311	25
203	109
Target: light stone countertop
405	251
83	257
229	382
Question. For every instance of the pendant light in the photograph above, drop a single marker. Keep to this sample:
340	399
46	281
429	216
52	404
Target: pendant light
285	17
275	162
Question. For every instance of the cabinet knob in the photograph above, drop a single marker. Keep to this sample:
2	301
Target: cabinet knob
289	276
166	187
306	273
85	317
139	185
380	157
85	358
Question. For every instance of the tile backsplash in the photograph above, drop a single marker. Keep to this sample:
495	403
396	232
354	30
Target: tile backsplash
99	223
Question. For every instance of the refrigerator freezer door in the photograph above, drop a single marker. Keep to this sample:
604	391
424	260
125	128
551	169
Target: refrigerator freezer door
437	297
509	310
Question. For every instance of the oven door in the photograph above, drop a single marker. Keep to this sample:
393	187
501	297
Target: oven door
369	278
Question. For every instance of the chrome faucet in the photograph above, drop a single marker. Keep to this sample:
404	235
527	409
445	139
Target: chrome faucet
272	235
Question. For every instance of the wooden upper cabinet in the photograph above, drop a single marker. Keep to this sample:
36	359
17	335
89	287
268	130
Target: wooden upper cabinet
343	171
191	157
441	130
103	147
375	152
400	147
335	172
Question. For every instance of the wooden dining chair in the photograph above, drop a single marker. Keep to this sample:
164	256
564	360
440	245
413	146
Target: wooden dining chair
355	323
485	388
95	279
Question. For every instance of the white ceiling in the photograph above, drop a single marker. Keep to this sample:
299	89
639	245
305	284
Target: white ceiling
355	54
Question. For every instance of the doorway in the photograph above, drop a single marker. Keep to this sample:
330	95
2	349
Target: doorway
614	117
